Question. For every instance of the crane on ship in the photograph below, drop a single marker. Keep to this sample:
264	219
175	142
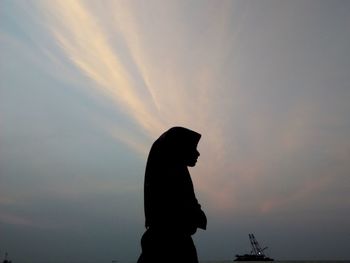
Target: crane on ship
257	250
6	260
256	254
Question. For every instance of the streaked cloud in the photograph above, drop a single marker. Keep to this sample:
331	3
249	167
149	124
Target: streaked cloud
78	32
164	74
14	220
153	95
266	83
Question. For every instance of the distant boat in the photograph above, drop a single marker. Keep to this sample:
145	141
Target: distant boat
6	260
257	253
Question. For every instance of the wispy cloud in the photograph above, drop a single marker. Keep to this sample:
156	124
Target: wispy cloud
150	83
306	191
79	34
12	219
163	68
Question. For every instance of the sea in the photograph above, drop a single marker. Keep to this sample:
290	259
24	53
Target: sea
227	261
275	261
207	261
282	261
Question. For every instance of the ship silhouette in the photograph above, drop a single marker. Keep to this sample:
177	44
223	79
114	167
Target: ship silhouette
257	253
6	260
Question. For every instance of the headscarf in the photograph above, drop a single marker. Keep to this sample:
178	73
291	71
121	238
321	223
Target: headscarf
168	190
172	146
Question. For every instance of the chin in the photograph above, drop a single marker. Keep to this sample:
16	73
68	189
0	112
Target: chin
192	164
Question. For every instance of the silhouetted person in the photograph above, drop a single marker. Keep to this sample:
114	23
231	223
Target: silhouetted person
172	211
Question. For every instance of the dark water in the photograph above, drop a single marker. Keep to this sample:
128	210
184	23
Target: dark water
286	261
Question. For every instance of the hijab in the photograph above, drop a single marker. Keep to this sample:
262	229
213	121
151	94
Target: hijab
168	188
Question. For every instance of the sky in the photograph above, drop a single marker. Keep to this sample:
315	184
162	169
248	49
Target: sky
87	86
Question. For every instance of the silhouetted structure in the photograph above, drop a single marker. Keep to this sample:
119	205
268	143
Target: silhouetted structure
6	260
257	253
172	211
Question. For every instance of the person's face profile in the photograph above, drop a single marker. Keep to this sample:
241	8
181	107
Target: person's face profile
192	157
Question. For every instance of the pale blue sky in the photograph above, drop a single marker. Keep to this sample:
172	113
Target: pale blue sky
87	86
